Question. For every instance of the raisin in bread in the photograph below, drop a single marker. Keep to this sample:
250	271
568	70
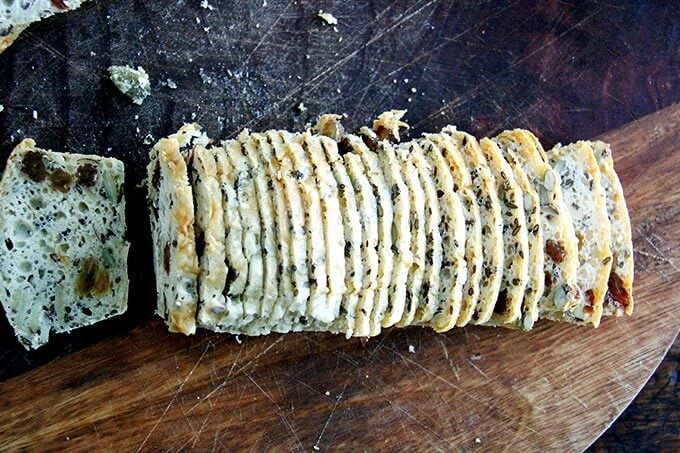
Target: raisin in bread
171	203
17	15
63	259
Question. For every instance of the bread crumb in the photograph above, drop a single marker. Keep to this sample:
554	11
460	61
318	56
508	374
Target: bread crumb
413	90
301	107
238	339
2	108
35	115
206	5
171	84
316	447
411	349
475	357
134	83
328	393
328	18
478	440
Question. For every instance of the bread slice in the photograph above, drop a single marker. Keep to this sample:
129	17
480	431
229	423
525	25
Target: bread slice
385	218
491	219
334	237
453	273
296	313
17	15
418	245
368	216
209	230
619	297
429	296
63	259
351	232
318	310
401	233
473	225
268	232
278	320
560	249
586	200
516	248
236	262
532	213
246	194
171	203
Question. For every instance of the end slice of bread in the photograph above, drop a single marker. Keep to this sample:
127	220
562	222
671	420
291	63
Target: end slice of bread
63	255
171	203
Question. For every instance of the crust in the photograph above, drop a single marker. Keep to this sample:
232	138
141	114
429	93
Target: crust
8	40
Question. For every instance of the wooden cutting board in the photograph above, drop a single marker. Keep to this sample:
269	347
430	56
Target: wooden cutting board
556	387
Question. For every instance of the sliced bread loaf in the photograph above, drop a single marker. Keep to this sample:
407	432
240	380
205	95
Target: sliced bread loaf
63	259
619	297
171	203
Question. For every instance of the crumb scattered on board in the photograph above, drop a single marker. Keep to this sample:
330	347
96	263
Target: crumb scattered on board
301	107
328	18
206	5
132	82
411	349
2	108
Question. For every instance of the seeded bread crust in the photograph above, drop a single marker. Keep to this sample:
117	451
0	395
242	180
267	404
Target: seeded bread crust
63	254
532	213
418	246
453	272
352	234
473	226
209	229
619	297
587	203
429	298
385	214
491	219
368	216
401	233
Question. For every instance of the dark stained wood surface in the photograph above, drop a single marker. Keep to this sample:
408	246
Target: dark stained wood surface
564	71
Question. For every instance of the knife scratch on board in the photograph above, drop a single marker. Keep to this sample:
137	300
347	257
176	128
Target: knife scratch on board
174	397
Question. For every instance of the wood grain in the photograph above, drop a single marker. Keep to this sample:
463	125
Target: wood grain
556	387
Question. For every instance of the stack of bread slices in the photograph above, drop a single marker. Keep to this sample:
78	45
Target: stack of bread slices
351	233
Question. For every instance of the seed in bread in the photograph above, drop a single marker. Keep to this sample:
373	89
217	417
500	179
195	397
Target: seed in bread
587	203
63	259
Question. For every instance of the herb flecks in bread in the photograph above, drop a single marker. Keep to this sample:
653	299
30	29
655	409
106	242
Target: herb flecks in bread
63	258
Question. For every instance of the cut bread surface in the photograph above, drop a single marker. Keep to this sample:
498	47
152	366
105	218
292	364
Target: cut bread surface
63	259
